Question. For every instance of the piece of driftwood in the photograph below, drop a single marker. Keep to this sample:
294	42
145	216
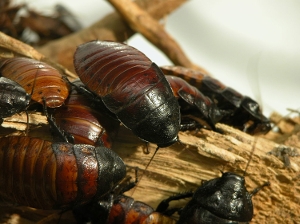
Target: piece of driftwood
200	156
10	47
111	27
140	21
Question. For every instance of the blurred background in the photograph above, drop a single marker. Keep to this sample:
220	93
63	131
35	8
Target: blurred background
251	45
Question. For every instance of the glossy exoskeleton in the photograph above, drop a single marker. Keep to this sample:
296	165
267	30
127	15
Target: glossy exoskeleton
221	200
246	113
13	98
132	87
42	81
119	209
190	98
45	175
84	120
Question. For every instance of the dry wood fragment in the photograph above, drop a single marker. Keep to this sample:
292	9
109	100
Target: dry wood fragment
10	47
202	156
111	27
140	21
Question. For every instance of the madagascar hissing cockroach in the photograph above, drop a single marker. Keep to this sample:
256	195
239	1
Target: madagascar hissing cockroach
246	113
132	87
13	98
119	209
82	120
42	81
45	175
190	98
221	200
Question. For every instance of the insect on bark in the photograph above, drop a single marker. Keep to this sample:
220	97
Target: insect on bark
13	98
42	81
245	115
45	175
83	120
119	209
132	87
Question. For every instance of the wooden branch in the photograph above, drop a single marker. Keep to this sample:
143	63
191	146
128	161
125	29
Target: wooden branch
10	47
201	156
111	27
140	21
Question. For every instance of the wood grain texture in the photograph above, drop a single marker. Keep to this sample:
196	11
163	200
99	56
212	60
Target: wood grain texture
202	156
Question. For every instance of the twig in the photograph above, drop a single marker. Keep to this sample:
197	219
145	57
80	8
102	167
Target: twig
10	47
140	21
111	27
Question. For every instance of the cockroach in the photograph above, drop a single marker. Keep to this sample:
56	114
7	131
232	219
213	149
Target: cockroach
246	113
84	120
42	81
220	200
30	26
13	98
45	175
191	98
119	209
132	87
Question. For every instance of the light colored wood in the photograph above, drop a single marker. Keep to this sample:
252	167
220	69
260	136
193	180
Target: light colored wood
142	22
111	27
202	156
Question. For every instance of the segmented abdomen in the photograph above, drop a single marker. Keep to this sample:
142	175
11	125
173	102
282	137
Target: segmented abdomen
132	87
85	121
13	98
41	174
39	79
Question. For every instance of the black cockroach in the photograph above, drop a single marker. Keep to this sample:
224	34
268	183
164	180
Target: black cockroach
119	209
191	98
42	81
45	175
83	119
132	87
13	98
246	114
221	200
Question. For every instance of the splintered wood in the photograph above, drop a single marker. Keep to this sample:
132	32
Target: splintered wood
201	156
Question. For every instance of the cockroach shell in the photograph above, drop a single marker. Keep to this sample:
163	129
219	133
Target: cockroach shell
45	175
13	97
126	210
131	87
39	79
243	109
85	121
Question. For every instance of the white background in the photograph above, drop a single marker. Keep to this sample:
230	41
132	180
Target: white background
250	45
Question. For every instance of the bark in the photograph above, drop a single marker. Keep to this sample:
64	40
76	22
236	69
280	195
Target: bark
140	21
202	156
111	27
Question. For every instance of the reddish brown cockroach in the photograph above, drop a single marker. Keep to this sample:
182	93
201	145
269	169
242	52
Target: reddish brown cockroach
132	87
246	113
45	175
83	120
42	81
